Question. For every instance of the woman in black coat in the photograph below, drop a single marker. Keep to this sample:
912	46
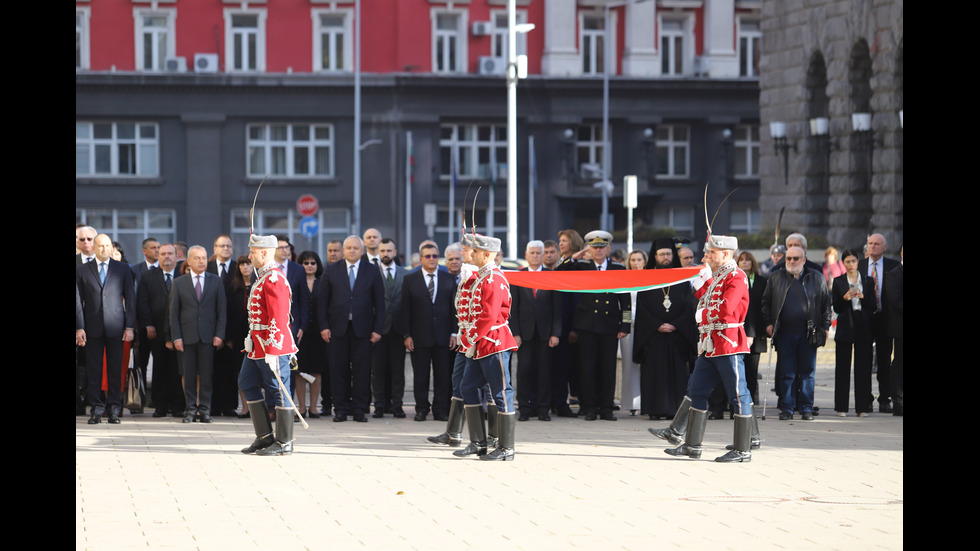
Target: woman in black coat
755	328
854	308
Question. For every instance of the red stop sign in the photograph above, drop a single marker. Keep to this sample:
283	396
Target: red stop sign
307	205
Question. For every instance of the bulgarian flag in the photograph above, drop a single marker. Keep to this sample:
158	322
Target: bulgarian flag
608	281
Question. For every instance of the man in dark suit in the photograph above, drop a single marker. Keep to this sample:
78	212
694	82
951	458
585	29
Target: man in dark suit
198	318
227	361
153	310
600	320
430	324
105	316
535	322
224	264
895	295
151	255
351	313
295	275
388	354
85	245
151	259
875	266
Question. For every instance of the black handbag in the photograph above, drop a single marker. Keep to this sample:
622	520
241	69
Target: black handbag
815	336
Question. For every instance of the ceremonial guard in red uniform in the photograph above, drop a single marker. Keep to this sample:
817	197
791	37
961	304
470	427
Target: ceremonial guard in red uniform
454	426
723	301
487	340
269	347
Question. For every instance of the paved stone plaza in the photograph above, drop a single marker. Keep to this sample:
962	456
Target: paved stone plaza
831	483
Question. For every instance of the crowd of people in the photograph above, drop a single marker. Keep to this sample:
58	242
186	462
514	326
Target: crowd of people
356	315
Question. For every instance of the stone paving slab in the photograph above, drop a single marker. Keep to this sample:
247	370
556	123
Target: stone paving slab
831	483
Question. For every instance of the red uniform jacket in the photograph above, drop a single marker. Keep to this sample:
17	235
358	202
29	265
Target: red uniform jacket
723	302
488	310
268	315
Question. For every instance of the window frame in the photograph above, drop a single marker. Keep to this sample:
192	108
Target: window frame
240	221
83	34
498	37
290	146
468	165
671	213
260	40
461	39
754	39
747	144
346	40
138	143
599	15
670	143
753	215
594	146
686	34
140	31
131	238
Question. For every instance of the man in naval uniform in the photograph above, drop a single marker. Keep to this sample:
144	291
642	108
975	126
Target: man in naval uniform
269	346
723	300
600	320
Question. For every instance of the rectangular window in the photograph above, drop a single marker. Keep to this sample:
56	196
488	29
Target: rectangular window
593	42
155	39
245	40
117	149
673	46
479	149
747	145
81	39
745	218
673	150
130	227
681	219
589	151
749	42
332	40
499	46
290	150
448	42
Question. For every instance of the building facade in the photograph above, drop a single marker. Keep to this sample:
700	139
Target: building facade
832	75
184	106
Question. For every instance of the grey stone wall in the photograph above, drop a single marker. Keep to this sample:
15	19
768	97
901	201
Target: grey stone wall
845	185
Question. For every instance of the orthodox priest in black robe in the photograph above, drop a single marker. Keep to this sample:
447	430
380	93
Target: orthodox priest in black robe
664	340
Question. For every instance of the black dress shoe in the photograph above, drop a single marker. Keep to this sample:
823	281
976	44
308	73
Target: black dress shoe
206	418
312	414
189	418
420	416
339	418
785	416
523	416
113	419
440	417
245	415
378	413
360	418
160	413
885	408
807	416
399	413
607	417
95	419
590	417
565	412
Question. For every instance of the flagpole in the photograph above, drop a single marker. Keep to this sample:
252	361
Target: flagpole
531	177
493	186
454	163
408	194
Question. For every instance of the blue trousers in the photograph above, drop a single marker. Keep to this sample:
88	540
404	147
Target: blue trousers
797	360
256	375
730	371
493	370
